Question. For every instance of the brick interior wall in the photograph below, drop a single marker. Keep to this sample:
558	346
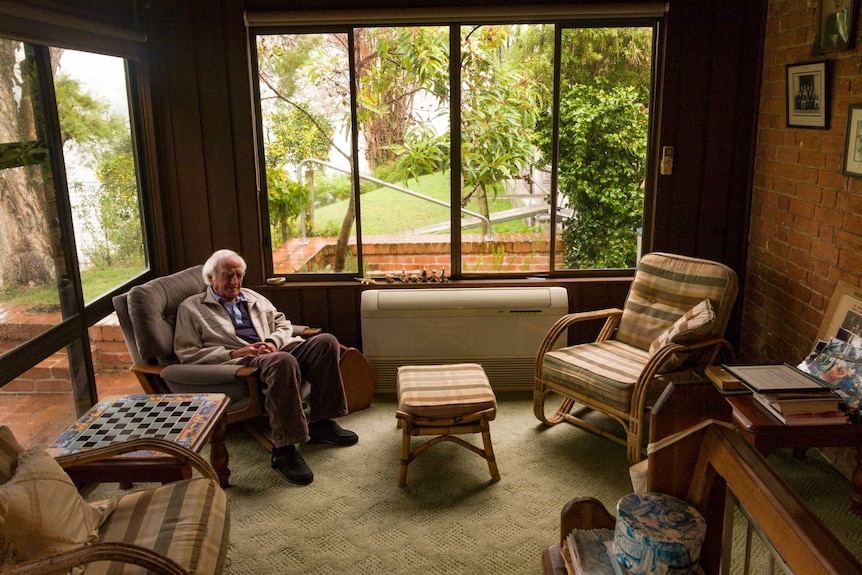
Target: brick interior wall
806	215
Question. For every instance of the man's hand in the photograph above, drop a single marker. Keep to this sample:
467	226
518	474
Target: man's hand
257	348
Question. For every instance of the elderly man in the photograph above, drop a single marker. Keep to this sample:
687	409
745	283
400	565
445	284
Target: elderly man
229	324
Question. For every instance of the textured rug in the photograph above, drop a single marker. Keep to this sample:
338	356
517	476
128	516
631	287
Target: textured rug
450	518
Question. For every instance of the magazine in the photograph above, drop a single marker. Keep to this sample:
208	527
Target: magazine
836	358
839	365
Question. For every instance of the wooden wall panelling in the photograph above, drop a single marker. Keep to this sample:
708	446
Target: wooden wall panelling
216	141
171	31
167	207
241	133
683	117
335	308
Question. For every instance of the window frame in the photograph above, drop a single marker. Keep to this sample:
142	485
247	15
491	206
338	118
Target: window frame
646	15
44	30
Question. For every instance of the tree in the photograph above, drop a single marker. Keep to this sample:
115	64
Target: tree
25	234
500	104
100	139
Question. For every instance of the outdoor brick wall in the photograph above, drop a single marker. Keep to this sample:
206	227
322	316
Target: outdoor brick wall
107	347
806	216
508	253
110	351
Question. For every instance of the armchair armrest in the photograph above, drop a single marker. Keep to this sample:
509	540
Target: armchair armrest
184	454
123	552
711	348
305	331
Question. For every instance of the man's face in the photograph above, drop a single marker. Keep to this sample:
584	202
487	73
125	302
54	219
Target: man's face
227	281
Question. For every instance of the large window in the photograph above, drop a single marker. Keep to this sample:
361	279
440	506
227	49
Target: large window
515	147
71	227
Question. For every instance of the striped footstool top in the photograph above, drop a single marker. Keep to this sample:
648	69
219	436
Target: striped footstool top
444	390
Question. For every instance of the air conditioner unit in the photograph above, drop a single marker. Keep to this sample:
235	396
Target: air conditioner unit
499	328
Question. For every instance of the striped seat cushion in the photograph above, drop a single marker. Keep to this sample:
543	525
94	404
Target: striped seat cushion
606	371
186	520
444	390
667	286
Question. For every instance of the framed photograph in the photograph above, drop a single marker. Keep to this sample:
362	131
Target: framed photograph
853	144
807	95
836	26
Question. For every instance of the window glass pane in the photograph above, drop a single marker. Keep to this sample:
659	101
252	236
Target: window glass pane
403	111
92	102
604	120
38	405
30	246
306	117
509	223
506	81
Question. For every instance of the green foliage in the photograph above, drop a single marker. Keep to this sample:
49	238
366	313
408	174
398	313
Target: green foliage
113	217
297	134
286	199
111	213
603	138
85	119
500	103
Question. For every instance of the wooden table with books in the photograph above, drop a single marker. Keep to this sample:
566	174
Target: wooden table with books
766	433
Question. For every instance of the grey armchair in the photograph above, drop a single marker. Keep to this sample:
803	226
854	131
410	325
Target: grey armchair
147	315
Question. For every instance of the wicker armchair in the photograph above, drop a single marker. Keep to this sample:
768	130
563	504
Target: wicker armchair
672	323
177	528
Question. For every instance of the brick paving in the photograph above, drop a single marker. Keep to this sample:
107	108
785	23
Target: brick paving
39	404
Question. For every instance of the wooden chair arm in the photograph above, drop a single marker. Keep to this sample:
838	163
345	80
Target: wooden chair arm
175	450
712	346
610	315
122	552
147	369
584	513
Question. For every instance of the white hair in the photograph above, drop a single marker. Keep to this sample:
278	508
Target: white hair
212	265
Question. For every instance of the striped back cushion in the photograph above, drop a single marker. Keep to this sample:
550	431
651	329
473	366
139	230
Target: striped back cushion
667	286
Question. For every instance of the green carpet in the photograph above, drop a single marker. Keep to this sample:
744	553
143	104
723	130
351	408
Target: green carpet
450	518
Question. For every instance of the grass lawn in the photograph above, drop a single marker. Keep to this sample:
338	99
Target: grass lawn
94	281
388	211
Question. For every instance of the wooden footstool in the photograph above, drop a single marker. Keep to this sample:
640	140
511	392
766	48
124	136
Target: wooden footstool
445	400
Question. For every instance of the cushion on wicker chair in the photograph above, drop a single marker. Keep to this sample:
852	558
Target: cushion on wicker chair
605	370
656	300
694	324
187	521
42	513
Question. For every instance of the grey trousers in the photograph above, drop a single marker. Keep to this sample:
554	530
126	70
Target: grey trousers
315	360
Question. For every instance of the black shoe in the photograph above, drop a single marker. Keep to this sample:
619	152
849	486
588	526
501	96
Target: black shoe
330	433
293	467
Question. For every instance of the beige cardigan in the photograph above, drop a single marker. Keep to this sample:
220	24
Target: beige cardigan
205	334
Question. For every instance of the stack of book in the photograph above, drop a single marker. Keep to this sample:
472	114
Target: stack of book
791	395
790	408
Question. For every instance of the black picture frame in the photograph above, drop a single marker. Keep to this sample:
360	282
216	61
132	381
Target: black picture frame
836	26
853	144
808	95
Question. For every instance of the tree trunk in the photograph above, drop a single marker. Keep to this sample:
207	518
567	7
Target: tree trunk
27	208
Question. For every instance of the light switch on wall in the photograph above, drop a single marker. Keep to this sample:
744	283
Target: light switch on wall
666	166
